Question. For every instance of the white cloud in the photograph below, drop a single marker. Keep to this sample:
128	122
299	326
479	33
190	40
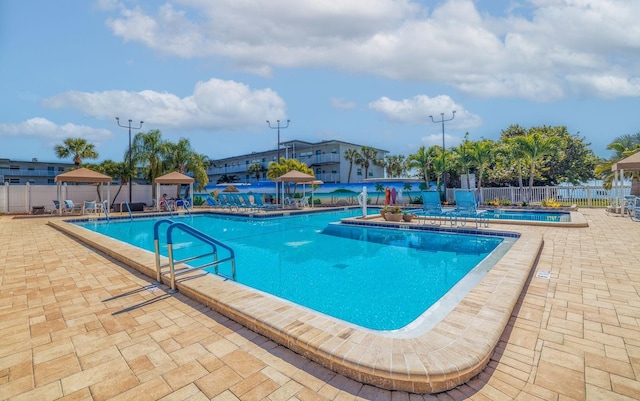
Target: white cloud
483	55
39	127
418	109
342	104
214	105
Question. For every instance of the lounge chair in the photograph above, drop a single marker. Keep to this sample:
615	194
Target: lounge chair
432	208
211	201
247	202
89	207
70	207
56	208
633	208
257	198
466	208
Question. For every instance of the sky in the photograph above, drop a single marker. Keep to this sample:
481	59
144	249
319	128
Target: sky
369	72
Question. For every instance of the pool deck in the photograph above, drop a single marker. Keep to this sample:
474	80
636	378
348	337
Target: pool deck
574	335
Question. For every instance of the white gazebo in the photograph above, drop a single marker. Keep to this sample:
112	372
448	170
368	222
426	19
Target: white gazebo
631	163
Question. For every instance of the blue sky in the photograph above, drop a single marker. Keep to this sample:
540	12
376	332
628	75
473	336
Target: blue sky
364	71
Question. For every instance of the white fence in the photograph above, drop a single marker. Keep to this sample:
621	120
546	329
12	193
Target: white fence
584	196
23	198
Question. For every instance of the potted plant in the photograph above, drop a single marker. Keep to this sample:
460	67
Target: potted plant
394	213
406	216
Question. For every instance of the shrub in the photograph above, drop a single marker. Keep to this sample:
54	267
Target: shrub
550	202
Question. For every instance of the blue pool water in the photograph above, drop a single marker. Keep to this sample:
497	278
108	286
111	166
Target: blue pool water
377	278
528	215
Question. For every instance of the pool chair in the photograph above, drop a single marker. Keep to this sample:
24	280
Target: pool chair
247	201
211	201
432	208
89	207
70	207
467	208
633	209
257	198
56	208
227	202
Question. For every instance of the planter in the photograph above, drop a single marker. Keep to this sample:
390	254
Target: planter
383	213
408	217
396	217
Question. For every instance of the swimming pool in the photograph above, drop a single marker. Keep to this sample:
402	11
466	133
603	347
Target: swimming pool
376	278
528	215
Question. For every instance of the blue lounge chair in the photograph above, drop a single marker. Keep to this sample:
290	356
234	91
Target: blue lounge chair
467	208
210	200
432	208
257	198
633	208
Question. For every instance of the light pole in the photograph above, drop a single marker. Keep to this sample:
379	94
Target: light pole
278	127
444	169
129	151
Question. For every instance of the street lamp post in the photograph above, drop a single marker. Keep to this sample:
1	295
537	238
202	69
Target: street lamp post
444	169
129	151
278	127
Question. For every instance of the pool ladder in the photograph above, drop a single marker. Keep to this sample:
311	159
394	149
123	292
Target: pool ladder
173	226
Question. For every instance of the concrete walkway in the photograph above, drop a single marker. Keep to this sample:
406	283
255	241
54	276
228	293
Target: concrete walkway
575	335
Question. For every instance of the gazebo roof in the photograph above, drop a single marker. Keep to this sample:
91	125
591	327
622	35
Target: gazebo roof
82	175
174	178
631	163
295	176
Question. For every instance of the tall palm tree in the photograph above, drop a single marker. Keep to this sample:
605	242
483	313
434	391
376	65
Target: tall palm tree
395	165
534	147
352	156
256	169
275	170
422	161
481	154
369	158
77	148
181	157
463	157
149	150
623	146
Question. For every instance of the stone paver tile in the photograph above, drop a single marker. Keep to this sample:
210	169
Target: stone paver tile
625	386
560	379
242	363
218	381
56	369
184	374
151	390
190	392
113	385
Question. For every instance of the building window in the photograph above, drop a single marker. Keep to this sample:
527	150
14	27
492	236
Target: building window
14	180
14	167
50	181
359	171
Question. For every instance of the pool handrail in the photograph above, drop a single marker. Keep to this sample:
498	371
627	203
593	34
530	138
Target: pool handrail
105	207
156	247
128	209
197	234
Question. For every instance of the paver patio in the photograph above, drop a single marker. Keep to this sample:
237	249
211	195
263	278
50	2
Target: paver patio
573	336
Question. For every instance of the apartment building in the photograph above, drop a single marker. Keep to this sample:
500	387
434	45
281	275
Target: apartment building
326	158
32	172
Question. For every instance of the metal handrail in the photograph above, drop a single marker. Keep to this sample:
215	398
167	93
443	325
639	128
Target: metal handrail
128	209
197	234
106	210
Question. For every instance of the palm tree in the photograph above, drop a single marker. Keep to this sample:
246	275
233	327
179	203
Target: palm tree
275	170
534	147
256	169
623	146
463	157
181	157
369	158
395	165
149	150
481	154
422	161
379	190
352	156
78	148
